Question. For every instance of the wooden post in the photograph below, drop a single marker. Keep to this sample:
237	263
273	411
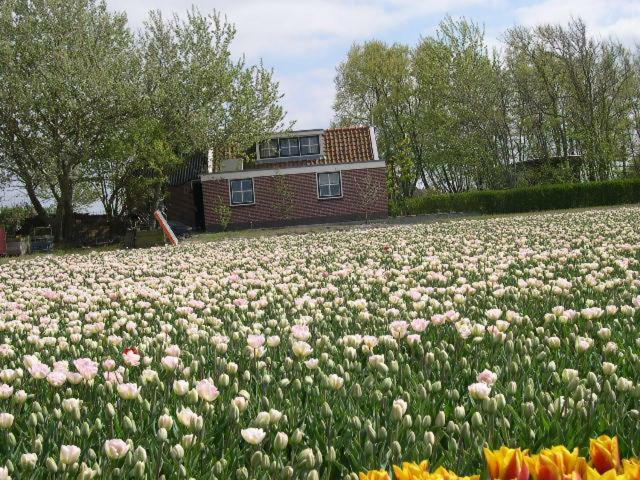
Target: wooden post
165	227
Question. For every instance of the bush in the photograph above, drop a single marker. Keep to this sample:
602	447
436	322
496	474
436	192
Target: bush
13	218
541	197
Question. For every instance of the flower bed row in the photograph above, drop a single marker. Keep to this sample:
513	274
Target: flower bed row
556	463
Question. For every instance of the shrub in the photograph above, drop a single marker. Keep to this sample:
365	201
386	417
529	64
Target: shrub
540	197
14	217
223	213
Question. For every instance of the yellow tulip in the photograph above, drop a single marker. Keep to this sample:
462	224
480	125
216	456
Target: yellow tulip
374	475
442	473
593	474
556	463
506	464
631	469
412	471
605	454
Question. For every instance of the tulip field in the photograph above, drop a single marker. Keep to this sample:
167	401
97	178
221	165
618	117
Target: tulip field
459	348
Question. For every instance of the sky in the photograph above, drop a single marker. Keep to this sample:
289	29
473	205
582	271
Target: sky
304	40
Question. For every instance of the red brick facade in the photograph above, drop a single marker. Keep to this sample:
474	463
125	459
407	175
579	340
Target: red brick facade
293	198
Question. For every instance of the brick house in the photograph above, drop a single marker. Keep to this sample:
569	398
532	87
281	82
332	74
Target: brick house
307	176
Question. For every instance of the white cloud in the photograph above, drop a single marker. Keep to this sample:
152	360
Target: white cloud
619	19
294	27
309	96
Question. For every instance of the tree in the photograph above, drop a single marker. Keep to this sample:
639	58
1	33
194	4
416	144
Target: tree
457	93
67	85
199	98
575	95
88	111
375	86
557	105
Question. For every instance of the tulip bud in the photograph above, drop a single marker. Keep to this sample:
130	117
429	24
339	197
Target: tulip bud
51	465
306	459
429	438
297	436
242	473
407	422
33	420
476	420
428	450
396	449
281	441
256	459
371	433
177	452
37	446
440	419
128	423
234	412
138	470
466	432
286	473
28	460
369	448
161	434
331	454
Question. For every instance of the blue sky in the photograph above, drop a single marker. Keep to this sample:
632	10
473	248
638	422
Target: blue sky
304	40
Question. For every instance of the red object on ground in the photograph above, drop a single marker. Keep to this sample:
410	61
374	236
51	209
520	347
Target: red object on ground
3	241
165	227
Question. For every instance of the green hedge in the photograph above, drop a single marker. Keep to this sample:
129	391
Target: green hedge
541	197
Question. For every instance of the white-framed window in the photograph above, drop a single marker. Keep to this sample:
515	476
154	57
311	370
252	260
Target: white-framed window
269	148
310	145
241	192
289	147
329	185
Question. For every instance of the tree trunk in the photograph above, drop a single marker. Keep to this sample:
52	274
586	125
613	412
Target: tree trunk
35	202
64	211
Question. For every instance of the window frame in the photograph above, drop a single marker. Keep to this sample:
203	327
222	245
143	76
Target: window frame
253	191
277	148
288	140
317	137
331	197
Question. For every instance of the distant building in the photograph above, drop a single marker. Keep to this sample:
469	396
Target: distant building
306	176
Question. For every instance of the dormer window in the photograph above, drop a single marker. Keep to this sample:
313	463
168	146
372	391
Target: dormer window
286	147
289	147
269	148
310	145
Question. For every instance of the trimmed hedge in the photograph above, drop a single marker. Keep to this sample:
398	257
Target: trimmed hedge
540	197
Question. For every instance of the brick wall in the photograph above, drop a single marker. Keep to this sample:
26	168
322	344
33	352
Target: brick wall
363	191
180	205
